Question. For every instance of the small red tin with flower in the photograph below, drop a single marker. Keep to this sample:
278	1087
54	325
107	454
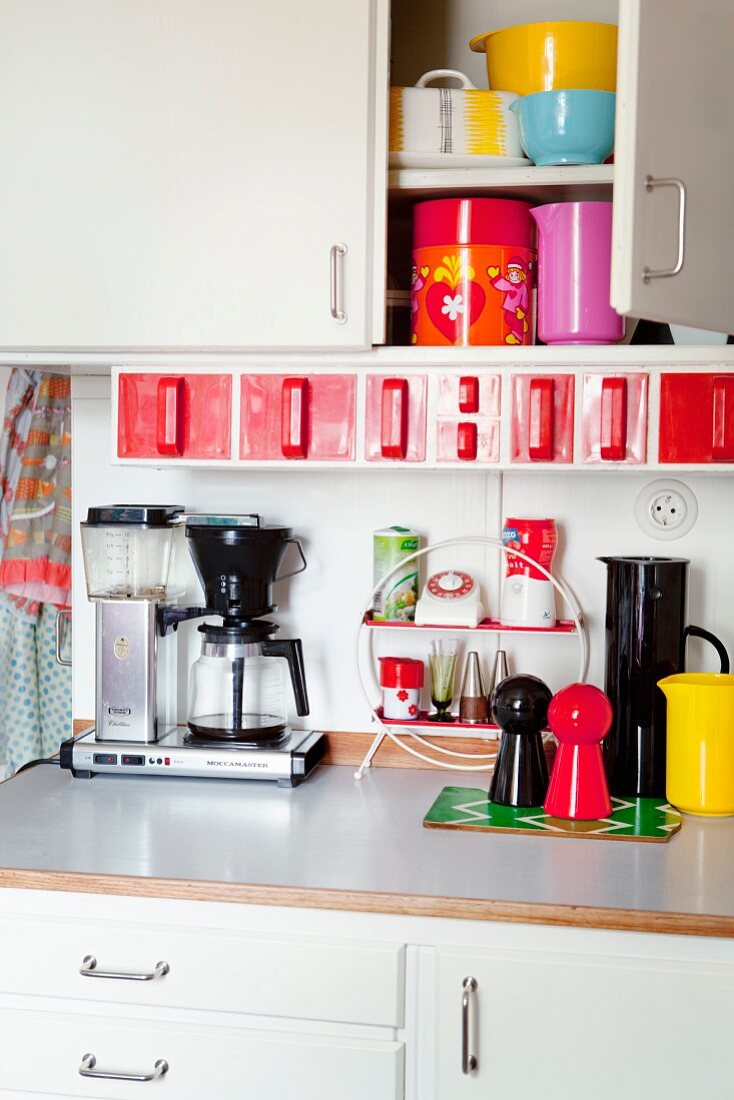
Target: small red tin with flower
474	266
401	680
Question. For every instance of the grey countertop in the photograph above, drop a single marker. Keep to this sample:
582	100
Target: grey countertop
343	837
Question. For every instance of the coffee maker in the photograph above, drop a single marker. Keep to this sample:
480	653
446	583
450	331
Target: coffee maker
237	717
236	692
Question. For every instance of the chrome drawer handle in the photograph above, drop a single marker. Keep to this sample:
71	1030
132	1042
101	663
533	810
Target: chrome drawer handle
338	252
86	1069
468	1060
88	969
665	272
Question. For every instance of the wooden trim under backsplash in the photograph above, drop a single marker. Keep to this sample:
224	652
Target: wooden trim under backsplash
351	748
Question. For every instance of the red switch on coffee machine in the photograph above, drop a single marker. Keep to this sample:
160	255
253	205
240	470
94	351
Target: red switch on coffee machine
580	716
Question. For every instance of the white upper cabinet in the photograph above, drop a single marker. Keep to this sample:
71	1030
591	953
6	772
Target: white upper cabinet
675	106
179	173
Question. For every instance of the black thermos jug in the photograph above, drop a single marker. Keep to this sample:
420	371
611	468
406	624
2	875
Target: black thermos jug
646	636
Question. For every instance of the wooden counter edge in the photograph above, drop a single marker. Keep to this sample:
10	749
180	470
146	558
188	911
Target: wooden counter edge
413	905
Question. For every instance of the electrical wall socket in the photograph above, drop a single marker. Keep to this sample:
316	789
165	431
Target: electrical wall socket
666	509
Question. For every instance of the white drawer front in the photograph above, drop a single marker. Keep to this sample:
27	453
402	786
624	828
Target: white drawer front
308	978
204	1062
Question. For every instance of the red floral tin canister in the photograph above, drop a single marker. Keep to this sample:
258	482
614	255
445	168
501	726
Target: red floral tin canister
474	265
401	680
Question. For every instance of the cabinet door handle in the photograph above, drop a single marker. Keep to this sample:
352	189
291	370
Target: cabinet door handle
88	969
86	1069
294	408
394	419
61	614
468	1060
663	272
722	449
613	426
338	252
541	416
466	441
170	409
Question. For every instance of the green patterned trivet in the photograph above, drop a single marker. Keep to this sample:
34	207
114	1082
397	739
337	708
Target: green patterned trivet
646	819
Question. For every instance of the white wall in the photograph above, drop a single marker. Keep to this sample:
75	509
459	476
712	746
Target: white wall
335	514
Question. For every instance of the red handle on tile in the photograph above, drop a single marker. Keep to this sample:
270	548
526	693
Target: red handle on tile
466	441
613	426
469	395
295	395
723	426
541	417
394	419
170	413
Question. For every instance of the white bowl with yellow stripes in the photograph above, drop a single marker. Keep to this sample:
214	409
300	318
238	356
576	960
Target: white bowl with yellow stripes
465	121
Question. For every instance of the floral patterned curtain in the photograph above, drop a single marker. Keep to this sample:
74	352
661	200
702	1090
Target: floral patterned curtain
35	566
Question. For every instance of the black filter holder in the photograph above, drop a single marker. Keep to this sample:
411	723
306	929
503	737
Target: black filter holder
646	636
238	565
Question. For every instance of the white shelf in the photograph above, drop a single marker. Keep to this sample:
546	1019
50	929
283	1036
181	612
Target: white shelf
622	356
581	182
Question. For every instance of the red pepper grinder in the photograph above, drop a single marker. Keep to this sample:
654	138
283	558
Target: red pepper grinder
580	716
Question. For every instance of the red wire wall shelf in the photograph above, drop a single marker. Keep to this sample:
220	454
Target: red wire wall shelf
472	729
491	626
400	731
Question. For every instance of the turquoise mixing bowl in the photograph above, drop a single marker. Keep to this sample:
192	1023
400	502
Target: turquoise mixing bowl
574	126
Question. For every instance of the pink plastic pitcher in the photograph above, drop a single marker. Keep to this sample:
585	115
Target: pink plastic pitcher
574	262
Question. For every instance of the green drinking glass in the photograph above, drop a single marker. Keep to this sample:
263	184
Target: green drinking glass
442	663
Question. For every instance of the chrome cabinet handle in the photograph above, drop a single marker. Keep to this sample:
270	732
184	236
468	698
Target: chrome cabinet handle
61	614
664	272
468	1060
88	969
338	251
86	1069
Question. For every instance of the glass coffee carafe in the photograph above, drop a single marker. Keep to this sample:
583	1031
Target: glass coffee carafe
237	689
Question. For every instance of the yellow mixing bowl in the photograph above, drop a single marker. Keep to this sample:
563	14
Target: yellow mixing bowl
541	57
700	742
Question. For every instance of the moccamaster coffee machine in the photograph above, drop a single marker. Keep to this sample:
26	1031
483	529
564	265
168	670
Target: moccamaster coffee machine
237	714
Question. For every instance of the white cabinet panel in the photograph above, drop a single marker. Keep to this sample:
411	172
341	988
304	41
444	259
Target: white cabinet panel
674	109
174	173
226	1063
559	1025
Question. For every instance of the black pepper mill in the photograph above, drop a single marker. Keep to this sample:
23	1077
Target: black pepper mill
645	641
519	706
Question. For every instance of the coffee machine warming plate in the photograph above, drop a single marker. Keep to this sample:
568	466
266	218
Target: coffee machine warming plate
288	764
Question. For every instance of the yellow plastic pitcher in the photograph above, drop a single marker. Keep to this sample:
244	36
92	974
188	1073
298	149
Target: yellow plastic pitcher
700	742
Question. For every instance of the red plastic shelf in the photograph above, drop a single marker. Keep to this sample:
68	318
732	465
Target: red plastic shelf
492	626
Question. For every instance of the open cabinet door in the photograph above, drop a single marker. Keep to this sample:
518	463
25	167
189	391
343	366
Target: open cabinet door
675	105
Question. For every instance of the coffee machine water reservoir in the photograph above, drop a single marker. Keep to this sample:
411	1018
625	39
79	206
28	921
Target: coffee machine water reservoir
127	552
